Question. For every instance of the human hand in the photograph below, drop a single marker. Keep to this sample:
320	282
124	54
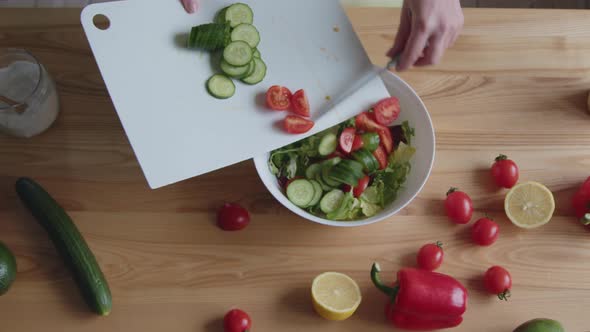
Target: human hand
190	6
427	28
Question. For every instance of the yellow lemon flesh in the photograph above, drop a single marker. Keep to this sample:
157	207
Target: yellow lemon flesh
529	205
335	295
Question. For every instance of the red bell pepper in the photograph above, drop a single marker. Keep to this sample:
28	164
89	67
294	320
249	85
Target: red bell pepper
422	300
581	203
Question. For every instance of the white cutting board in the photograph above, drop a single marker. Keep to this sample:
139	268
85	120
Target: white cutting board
177	130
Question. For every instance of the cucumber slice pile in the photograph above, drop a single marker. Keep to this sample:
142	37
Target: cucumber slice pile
233	33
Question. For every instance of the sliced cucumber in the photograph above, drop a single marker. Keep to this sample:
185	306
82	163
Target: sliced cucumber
248	33
233	71
220	86
252	67
239	13
259	72
256	54
366	158
238	53
301	192
220	17
317	194
328	179
211	36
331	201
325	187
312	171
340	176
343	209
328	144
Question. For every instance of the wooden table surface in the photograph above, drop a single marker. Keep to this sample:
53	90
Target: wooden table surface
515	82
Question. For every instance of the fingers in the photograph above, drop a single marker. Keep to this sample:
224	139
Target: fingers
191	6
414	46
403	33
434	52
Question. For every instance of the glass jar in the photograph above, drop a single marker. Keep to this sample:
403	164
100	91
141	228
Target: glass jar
29	103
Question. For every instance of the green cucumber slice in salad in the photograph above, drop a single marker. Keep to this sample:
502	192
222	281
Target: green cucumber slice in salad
329	180
220	86
233	32
301	192
328	144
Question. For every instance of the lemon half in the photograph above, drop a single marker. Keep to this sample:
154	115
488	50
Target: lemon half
529	205
335	296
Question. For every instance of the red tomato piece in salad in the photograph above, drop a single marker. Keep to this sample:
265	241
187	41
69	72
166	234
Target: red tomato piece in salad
386	139
386	111
381	156
300	103
361	186
365	123
346	140
358	143
294	124
278	98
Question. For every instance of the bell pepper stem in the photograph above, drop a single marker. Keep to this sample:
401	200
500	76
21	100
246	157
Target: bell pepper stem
390	291
585	219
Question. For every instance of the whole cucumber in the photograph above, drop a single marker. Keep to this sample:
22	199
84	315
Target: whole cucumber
69	243
540	325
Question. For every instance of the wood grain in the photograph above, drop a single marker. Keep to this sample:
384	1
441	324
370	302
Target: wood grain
516	82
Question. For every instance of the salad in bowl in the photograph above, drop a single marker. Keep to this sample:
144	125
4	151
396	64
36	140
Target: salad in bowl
350	171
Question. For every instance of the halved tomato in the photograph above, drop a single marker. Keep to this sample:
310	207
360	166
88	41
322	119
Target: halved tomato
300	103
278	98
346	140
297	125
386	111
358	143
381	156
361	186
386	139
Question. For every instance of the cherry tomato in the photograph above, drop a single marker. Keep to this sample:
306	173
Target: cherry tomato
232	217
459	206
386	111
361	186
236	320
358	143
300	103
297	125
504	172
278	98
581	202
498	281
485	232
346	140
430	256
381	157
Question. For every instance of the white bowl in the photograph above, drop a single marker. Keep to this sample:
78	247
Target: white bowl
414	111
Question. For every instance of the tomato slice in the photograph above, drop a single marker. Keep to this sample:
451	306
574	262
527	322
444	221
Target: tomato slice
297	125
381	156
386	139
300	103
358	143
346	140
364	122
361	186
278	98
386	111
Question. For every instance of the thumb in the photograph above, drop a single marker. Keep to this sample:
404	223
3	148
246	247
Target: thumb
403	33
191	6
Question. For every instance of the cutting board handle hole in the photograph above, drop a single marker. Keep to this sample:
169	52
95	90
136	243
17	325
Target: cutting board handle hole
101	22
